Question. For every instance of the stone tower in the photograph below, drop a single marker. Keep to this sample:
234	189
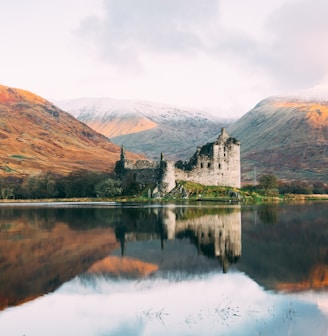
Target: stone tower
216	163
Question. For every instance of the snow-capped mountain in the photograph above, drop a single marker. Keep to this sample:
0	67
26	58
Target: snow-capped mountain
147	127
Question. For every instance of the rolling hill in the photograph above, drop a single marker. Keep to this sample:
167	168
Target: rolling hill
148	128
287	137
36	136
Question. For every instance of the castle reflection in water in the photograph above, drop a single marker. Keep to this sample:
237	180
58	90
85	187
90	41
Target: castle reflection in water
216	235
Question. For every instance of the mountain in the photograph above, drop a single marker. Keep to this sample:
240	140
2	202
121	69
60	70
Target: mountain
287	137
36	136
148	128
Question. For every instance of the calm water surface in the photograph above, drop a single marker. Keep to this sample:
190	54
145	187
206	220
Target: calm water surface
173	269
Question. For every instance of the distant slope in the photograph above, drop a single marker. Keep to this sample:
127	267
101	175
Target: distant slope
107	116
36	136
284	136
148	128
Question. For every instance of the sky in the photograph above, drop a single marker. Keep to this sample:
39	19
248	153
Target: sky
223	56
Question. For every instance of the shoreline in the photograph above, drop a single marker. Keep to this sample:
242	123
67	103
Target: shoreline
117	201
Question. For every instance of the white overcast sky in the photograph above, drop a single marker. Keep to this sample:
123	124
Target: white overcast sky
220	55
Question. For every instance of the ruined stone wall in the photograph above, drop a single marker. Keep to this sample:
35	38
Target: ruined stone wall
144	172
141	172
141	176
227	163
167	178
215	163
141	164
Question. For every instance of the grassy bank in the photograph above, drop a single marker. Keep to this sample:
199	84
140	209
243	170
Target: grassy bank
195	192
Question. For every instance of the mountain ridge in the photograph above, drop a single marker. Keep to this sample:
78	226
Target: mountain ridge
172	130
284	136
287	137
36	136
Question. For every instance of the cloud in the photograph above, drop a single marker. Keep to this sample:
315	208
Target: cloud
287	46
129	28
207	53
295	53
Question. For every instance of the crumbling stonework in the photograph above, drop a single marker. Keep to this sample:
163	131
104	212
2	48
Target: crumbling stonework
216	163
156	174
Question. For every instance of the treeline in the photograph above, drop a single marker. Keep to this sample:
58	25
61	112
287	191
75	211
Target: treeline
79	184
85	184
271	184
303	187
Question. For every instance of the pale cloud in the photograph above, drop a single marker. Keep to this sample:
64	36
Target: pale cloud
128	29
299	57
223	55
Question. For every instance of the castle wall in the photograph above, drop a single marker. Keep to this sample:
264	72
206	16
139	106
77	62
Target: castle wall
216	163
141	164
167	176
142	172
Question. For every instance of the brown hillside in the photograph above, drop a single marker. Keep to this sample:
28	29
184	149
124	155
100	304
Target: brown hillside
110	117
36	136
117	126
286	137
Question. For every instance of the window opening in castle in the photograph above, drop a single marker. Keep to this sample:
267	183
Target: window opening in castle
219	165
201	165
209	165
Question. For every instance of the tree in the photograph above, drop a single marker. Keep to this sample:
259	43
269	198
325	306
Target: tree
108	188
268	182
10	187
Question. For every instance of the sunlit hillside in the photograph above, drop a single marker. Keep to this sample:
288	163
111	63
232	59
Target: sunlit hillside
36	136
284	136
110	117
147	127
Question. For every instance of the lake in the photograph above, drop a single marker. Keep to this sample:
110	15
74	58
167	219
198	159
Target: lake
163	269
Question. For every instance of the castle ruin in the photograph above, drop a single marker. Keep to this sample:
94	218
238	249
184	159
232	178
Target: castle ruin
214	164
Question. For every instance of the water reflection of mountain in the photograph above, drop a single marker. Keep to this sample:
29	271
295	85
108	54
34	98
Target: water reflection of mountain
285	246
41	248
216	234
39	251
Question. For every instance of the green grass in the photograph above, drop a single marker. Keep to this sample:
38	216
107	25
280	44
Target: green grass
7	169
199	191
18	156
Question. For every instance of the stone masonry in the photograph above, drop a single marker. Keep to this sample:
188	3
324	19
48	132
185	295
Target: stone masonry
216	163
